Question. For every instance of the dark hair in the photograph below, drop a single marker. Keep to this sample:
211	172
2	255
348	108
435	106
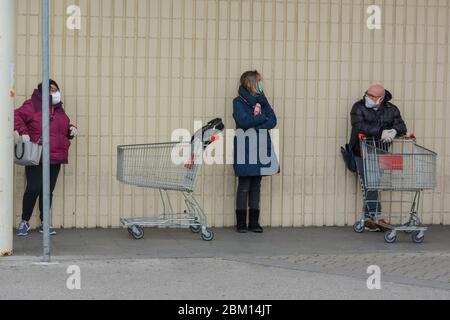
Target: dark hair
52	82
249	79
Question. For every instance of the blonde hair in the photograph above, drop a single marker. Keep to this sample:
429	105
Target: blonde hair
249	79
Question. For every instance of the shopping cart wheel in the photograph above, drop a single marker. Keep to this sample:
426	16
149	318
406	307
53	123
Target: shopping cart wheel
416	238
358	227
136	231
390	237
130	231
207	235
196	228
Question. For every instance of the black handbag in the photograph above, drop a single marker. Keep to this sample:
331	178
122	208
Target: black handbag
349	158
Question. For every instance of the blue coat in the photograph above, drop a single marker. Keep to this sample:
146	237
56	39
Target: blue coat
252	143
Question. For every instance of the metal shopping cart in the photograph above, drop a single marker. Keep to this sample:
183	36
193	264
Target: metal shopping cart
402	166
164	166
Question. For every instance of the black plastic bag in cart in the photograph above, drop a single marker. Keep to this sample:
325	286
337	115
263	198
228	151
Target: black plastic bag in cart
208	133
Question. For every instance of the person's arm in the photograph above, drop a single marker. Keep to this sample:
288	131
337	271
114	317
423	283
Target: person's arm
358	122
243	118
268	112
399	124
22	116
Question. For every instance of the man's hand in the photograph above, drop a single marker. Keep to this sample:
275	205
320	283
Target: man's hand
388	135
258	110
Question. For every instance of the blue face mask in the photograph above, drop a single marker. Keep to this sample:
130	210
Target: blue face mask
260	87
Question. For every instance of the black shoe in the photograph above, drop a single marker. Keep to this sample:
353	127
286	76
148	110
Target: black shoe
254	221
241	221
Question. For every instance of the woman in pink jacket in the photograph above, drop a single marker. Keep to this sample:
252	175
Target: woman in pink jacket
28	123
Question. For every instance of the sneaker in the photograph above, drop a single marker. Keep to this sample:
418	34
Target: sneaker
372	226
383	224
23	229
52	230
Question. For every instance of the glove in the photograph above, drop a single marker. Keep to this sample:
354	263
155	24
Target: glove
388	135
73	131
26	138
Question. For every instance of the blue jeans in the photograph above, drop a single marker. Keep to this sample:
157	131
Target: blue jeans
372	206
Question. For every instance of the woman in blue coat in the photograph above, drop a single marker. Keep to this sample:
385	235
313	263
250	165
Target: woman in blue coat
253	155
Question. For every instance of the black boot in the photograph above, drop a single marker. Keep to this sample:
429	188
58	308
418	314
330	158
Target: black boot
254	221
241	221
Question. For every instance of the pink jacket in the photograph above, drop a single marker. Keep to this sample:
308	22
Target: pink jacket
28	121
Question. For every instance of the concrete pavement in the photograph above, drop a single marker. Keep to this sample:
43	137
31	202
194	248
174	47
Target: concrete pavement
304	263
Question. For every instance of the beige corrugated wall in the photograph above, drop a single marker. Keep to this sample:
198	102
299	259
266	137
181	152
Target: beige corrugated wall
138	69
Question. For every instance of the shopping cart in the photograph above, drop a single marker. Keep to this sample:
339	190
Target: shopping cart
164	166
402	166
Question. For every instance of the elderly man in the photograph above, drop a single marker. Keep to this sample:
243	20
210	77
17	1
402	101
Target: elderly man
375	117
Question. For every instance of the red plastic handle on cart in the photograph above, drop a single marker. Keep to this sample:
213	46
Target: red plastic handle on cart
362	136
214	138
190	164
411	136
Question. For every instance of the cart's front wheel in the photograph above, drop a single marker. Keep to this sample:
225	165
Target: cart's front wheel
137	232
207	235
390	237
418	237
130	231
196	228
358	227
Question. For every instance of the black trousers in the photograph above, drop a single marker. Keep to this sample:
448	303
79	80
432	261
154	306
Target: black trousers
34	189
248	193
372	207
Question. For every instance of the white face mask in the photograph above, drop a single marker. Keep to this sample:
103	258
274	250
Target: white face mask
372	105
56	98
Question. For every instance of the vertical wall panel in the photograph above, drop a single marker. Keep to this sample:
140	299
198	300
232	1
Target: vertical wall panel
138	69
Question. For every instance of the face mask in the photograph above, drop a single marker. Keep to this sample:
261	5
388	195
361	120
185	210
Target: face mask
260	87
56	98
370	104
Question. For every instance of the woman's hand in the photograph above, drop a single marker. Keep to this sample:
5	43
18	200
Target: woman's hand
26	138
258	110
73	132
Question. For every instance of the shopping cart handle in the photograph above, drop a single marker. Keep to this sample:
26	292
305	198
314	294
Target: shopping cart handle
411	136
362	136
214	138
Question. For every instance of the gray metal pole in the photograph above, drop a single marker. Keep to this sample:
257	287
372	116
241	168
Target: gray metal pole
46	129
